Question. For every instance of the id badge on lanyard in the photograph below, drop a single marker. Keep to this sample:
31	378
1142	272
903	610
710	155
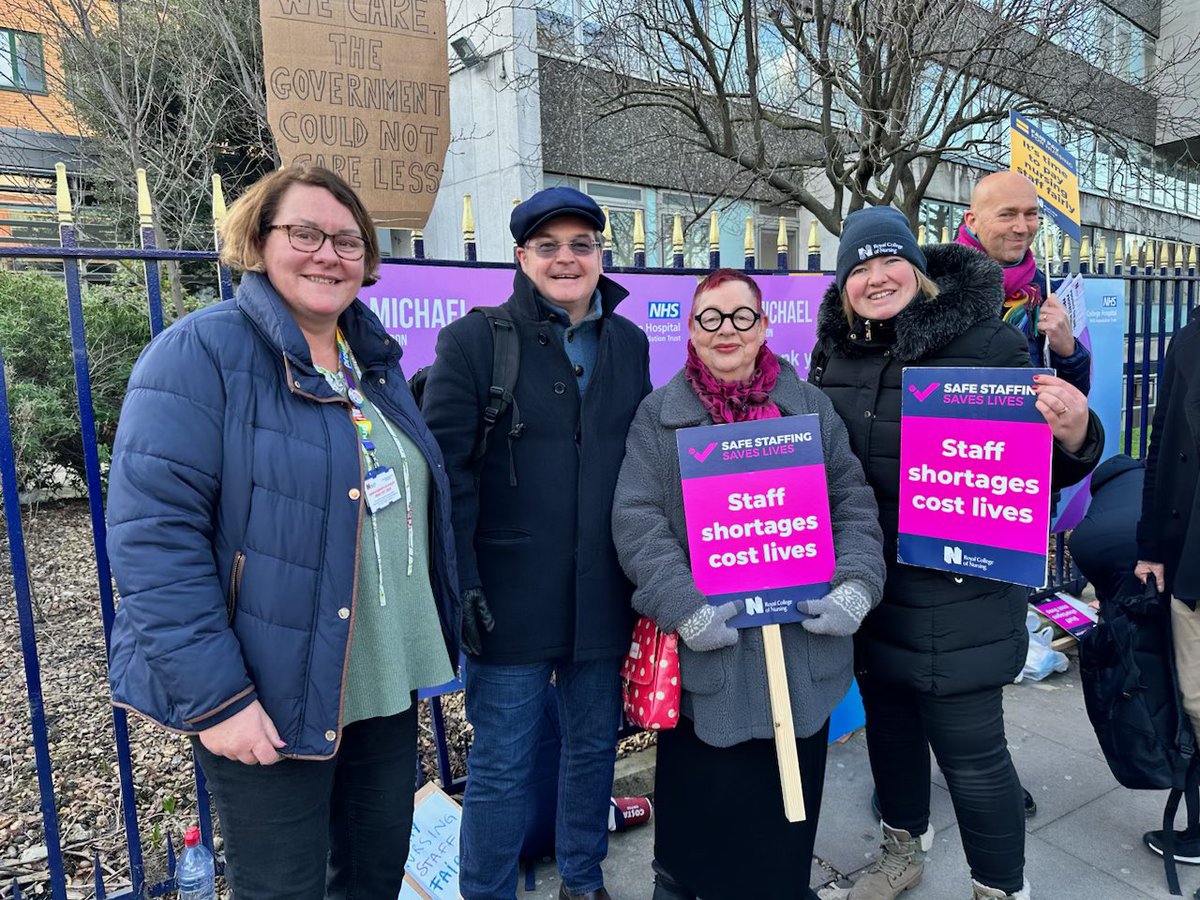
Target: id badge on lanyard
382	488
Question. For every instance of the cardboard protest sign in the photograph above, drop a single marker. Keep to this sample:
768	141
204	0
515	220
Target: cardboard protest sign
362	87
432	867
974	473
1050	167
757	509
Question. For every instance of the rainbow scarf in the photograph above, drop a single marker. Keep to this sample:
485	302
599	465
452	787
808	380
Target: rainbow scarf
1022	293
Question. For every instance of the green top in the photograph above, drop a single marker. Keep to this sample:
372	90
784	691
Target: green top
396	643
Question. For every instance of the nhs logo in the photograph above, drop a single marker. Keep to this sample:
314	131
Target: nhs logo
662	309
1110	301
952	555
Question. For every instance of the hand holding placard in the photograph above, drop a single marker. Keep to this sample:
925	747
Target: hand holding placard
707	629
759	535
838	613
975	470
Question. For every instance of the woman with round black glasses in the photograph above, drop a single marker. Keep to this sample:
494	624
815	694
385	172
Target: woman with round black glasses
722	754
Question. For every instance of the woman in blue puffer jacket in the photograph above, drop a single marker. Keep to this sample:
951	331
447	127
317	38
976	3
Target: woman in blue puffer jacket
279	529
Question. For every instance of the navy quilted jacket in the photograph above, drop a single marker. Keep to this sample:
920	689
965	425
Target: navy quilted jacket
234	519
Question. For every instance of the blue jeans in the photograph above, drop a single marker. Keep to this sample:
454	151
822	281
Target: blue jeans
306	829
504	706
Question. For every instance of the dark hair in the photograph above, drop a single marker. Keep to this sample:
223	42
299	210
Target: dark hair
719	277
244	230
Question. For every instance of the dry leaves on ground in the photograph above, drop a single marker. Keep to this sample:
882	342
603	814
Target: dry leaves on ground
79	718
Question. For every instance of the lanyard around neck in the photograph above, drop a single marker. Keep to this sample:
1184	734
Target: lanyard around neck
363	424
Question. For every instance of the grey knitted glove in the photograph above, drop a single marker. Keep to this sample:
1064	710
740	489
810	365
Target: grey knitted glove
838	613
705	629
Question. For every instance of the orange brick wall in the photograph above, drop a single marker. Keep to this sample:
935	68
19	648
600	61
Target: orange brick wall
36	112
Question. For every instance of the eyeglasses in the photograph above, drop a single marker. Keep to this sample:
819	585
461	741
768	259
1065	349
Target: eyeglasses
307	239
743	318
549	249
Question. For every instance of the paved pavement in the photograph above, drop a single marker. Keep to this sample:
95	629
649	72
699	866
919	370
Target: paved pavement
1083	844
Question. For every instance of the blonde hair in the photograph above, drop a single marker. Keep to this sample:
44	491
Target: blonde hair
926	287
244	229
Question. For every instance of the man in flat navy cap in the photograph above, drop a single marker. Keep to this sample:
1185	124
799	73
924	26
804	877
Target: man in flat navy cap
543	594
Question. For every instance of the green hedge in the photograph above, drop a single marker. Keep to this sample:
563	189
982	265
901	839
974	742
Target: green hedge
35	336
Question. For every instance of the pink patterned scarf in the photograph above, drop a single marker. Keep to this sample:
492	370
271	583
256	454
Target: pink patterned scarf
735	401
1022	293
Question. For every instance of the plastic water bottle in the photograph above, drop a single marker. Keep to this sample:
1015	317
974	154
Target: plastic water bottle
195	873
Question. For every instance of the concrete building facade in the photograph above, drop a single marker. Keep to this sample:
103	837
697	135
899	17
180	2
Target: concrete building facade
520	121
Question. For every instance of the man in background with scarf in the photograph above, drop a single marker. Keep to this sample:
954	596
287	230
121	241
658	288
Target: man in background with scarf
1002	222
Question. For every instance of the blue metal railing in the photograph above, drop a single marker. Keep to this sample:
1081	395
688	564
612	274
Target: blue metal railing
1145	345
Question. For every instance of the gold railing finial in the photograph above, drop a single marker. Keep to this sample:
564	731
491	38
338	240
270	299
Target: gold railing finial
144	207
62	195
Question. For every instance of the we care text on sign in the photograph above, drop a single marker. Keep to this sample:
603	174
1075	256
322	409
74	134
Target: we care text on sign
757	508
974	473
361	87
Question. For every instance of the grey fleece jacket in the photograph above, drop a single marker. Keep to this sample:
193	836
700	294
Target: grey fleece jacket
725	691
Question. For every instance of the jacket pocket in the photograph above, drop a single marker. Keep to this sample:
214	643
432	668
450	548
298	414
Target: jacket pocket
235	583
829	657
702	673
504	536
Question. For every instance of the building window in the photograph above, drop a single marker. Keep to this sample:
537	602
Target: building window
22	66
621	201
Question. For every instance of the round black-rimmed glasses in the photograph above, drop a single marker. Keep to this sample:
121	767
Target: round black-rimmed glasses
743	318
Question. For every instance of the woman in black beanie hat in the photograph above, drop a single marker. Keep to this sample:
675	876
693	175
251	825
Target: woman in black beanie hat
933	657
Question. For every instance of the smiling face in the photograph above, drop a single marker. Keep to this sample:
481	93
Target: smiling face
316	286
880	287
727	353
566	280
1004	216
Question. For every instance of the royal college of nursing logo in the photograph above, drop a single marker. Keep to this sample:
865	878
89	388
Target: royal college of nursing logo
888	248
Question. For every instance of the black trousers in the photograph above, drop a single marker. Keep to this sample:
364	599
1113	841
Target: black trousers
720	832
315	829
966	732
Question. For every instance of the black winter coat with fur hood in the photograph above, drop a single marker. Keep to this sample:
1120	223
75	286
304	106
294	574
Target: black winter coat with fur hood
935	632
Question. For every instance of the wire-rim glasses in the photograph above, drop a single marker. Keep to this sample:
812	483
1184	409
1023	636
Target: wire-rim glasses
743	318
580	247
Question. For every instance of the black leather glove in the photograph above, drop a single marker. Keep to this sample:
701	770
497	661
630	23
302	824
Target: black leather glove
476	618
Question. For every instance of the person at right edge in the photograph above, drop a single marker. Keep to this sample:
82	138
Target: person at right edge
1168	541
933	658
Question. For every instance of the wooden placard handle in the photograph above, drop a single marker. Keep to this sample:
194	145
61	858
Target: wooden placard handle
785	734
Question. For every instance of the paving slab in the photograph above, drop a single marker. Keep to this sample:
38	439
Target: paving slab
1053	874
1106	834
848	833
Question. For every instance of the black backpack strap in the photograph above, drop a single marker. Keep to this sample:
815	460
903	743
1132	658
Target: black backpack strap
1168	841
506	364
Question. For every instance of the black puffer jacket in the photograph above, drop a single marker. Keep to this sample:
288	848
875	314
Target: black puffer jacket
936	632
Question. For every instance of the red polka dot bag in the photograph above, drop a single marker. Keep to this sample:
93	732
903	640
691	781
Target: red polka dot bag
650	677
